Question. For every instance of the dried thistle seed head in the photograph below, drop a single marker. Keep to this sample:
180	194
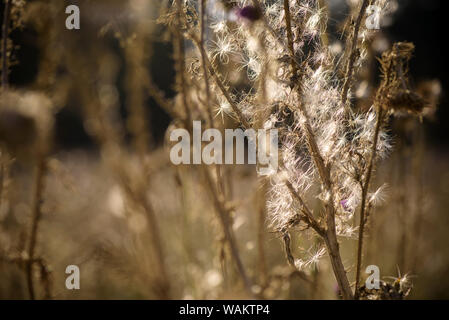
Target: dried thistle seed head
431	93
394	61
406	100
403	50
394	93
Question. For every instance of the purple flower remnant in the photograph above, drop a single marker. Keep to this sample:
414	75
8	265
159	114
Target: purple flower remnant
249	13
337	291
344	204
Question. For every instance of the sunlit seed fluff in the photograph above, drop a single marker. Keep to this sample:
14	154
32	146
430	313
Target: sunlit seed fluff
378	197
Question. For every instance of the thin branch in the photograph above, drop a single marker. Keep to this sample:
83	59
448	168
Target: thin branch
41	168
2	174
197	41
261	216
286	238
288	24
330	236
241	118
204	63
353	56
311	219
180	60
314	151
256	3
365	189
228	232
44	269
5	34
159	97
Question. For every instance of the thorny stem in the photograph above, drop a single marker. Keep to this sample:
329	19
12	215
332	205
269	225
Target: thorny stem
140	197
261	237
227	229
330	236
137	121
256	3
286	238
206	82
418	177
159	97
203	58
43	268
314	150
5	31
334	253
2	173
309	216
180	62
354	53
41	168
363	207
290	35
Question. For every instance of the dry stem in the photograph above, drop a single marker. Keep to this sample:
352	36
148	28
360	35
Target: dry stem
223	215
353	56
5	33
35	219
290	36
363	206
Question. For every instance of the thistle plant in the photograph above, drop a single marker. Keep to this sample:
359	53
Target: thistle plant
270	64
330	88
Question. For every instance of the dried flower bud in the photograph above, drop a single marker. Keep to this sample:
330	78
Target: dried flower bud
406	100
345	205
250	13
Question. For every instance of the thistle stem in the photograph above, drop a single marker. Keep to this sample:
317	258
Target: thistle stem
353	56
41	169
288	24
5	33
363	206
223	215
